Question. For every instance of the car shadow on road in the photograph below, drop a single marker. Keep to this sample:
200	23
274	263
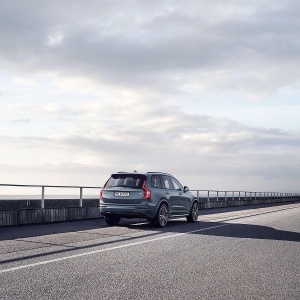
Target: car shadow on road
35	230
180	226
247	231
223	229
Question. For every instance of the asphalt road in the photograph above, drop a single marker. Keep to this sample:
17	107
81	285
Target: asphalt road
238	253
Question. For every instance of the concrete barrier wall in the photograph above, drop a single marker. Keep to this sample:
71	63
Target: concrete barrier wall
49	203
46	215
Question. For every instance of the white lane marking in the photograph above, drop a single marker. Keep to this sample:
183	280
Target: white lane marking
105	250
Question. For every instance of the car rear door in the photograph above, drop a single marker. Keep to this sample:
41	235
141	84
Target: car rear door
169	193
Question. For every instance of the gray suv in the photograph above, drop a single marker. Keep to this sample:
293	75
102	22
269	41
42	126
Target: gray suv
155	196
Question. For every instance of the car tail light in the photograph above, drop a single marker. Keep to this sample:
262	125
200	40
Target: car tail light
147	192
102	189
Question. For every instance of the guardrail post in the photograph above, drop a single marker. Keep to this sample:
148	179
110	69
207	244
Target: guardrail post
217	195
225	195
207	195
239	196
198	195
80	199
43	198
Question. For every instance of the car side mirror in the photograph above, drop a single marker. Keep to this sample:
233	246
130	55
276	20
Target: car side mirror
185	189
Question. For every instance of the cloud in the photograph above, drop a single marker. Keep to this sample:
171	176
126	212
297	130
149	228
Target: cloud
21	121
219	45
55	38
191	145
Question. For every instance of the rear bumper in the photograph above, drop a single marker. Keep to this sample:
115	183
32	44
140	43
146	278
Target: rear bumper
128	211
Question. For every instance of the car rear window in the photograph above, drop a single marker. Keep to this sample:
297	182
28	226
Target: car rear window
126	180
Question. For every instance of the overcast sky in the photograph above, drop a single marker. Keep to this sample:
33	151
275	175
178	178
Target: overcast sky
205	90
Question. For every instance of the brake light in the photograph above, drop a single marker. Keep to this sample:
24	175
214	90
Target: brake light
147	192
102	189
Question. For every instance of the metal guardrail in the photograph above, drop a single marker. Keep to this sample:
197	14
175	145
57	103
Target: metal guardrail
214	195
202	195
43	189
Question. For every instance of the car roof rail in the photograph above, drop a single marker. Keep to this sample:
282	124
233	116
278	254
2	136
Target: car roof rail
159	173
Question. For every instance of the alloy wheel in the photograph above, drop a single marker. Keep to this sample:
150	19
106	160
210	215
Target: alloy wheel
163	215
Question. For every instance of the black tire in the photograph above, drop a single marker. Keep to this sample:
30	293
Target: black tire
112	220
193	215
161	218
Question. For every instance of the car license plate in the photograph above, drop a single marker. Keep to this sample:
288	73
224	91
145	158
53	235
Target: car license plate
121	194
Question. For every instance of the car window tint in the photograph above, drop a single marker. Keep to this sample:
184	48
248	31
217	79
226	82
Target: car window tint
155	181
176	184
124	180
167	183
